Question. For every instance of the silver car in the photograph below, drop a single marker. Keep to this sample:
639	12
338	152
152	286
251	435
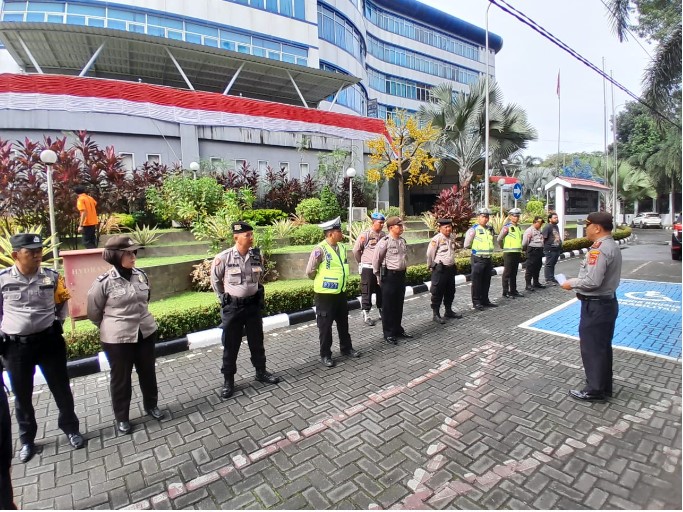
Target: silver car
647	220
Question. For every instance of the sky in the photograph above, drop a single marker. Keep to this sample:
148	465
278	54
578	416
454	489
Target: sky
528	64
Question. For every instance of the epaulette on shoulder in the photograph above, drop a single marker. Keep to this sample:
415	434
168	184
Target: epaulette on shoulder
144	274
47	269
102	277
4	271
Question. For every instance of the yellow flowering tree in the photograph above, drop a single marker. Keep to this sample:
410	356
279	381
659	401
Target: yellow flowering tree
404	157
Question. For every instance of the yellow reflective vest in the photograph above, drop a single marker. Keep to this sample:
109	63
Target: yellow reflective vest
513	240
333	272
482	245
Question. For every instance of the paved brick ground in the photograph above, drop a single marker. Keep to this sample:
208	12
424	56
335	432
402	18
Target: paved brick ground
473	414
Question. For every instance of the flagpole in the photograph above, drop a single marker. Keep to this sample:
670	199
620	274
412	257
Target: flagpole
559	124
616	162
604	122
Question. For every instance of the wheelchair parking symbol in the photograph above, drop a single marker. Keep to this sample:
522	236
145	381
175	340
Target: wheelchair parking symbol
651	296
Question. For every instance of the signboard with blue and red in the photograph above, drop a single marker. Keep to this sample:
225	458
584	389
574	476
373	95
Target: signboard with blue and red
649	318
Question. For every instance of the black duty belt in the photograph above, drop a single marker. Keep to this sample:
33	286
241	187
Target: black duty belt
583	297
243	301
535	248
391	271
30	338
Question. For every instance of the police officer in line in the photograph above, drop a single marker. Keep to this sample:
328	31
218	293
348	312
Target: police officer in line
389	266
328	266
118	304
236	275
510	240
532	241
480	238
552	248
596	288
33	307
441	261
6	491
363	252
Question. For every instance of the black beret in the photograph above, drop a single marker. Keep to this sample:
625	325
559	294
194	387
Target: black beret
121	243
26	241
603	219
444	222
240	227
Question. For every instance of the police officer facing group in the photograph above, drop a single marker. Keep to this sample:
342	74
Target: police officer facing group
596	287
441	262
389	266
33	306
6	491
364	252
118	304
532	241
236	278
328	266
510	240
480	238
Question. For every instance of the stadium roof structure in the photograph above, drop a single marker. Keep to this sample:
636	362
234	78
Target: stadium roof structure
105	53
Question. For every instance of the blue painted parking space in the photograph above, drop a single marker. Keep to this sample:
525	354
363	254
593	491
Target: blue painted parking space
649	318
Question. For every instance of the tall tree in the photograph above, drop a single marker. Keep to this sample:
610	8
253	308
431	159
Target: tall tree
461	119
405	156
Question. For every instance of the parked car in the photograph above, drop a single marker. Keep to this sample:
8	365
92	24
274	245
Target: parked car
647	220
676	242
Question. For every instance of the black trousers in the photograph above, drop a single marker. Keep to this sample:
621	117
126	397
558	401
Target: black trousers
48	352
481	280
534	262
90	236
238	318
510	267
6	492
443	286
329	308
393	295
368	286
596	329
122	357
551	257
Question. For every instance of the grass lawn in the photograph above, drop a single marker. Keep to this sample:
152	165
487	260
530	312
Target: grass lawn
155	261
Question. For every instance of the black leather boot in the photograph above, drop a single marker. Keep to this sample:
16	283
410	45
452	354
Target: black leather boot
228	386
266	377
436	317
451	314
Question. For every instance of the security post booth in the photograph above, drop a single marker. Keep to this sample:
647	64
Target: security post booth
575	198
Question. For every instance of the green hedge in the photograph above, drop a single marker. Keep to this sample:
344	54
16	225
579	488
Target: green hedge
175	324
263	216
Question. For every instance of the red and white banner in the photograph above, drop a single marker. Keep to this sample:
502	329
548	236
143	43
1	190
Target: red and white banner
81	94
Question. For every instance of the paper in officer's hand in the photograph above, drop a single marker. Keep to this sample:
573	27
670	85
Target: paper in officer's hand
560	278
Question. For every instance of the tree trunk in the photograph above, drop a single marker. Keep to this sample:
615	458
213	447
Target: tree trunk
401	195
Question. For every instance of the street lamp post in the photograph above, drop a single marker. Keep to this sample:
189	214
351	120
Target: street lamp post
194	167
350	173
501	182
486	123
49	157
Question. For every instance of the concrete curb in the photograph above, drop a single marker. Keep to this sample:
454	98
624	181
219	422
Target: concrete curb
210	337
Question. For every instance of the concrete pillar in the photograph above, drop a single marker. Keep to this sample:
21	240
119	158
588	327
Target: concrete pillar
559	208
189	144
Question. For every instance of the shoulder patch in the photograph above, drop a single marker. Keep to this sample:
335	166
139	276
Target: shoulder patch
102	277
317	252
433	242
593	257
596	245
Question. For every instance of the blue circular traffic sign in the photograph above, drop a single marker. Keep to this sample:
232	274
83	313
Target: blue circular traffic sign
517	191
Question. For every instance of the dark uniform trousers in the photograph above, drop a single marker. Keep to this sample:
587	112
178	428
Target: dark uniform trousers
368	286
90	236
443	285
329	308
596	329
481	280
551	257
47	350
393	295
510	267
239	315
122	357
534	262
6	492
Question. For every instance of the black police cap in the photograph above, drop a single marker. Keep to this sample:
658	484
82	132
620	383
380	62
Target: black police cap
241	227
26	241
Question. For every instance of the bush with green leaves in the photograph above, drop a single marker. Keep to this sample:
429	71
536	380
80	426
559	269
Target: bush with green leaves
186	200
263	216
125	220
392	211
306	235
535	208
329	205
145	235
310	210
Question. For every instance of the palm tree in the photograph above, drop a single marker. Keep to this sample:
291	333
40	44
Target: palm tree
461	119
534	178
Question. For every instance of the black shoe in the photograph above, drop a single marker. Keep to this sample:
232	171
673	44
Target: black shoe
539	285
516	294
124	427
529	288
551	283
155	413
508	295
76	440
451	314
490	305
266	377
405	335
479	307
587	396
351	353
391	340
27	452
228	387
436	317
327	361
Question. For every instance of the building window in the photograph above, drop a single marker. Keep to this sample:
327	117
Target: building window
353	96
153	159
336	29
290	8
240	164
284	166
398	86
262	167
127	161
303	170
216	163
